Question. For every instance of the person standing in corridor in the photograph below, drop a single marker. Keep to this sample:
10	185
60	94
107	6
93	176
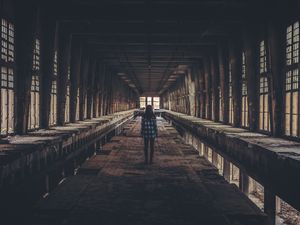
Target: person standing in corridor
149	132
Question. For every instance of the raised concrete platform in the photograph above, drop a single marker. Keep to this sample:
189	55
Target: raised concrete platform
23	156
274	162
114	187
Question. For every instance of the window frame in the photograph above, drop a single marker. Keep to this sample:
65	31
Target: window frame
7	62
35	86
291	67
53	92
264	87
245	97
68	96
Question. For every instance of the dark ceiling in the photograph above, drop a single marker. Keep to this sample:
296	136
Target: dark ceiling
147	42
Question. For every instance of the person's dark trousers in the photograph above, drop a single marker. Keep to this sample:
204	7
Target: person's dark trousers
146	144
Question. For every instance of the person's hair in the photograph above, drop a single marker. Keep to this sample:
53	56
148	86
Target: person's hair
149	114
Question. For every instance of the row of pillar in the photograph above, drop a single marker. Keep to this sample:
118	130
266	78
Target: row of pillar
210	99
90	77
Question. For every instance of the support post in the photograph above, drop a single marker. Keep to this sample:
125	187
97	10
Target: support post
226	170
244	183
76	51
26	25
202	91
214	87
64	47
90	88
48	26
276	50
224	80
236	70
270	207
207	78
83	86
251	56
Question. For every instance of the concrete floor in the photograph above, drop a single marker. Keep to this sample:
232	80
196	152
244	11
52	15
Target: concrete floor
114	187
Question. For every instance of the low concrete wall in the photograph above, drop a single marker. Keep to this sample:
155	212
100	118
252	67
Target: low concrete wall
274	162
21	157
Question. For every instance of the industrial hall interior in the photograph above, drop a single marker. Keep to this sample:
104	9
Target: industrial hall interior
150	112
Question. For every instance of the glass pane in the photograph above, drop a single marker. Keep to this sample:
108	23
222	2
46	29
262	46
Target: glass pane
261	121
37	110
295	103
266	105
3	111
288	102
287	124
149	100
295	125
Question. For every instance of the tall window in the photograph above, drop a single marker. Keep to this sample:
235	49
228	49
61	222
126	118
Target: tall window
264	115
7	78
149	100
142	102
244	93
53	102
34	114
156	102
292	81
230	96
67	106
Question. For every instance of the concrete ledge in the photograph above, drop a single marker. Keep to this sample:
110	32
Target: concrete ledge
22	156
274	162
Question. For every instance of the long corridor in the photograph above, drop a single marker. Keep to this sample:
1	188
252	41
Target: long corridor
115	187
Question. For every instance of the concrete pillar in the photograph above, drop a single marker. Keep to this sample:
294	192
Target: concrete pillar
49	26
76	51
207	80
251	44
202	97
224	77
105	92
205	152
196	75
191	91
64	48
95	112
276	41
83	85
96	93
101	90
214	158
26	26
244	183
270	206
214	87
90	88
235	55
226	170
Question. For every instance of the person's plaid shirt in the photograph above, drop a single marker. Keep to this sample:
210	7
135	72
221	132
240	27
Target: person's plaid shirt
149	128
